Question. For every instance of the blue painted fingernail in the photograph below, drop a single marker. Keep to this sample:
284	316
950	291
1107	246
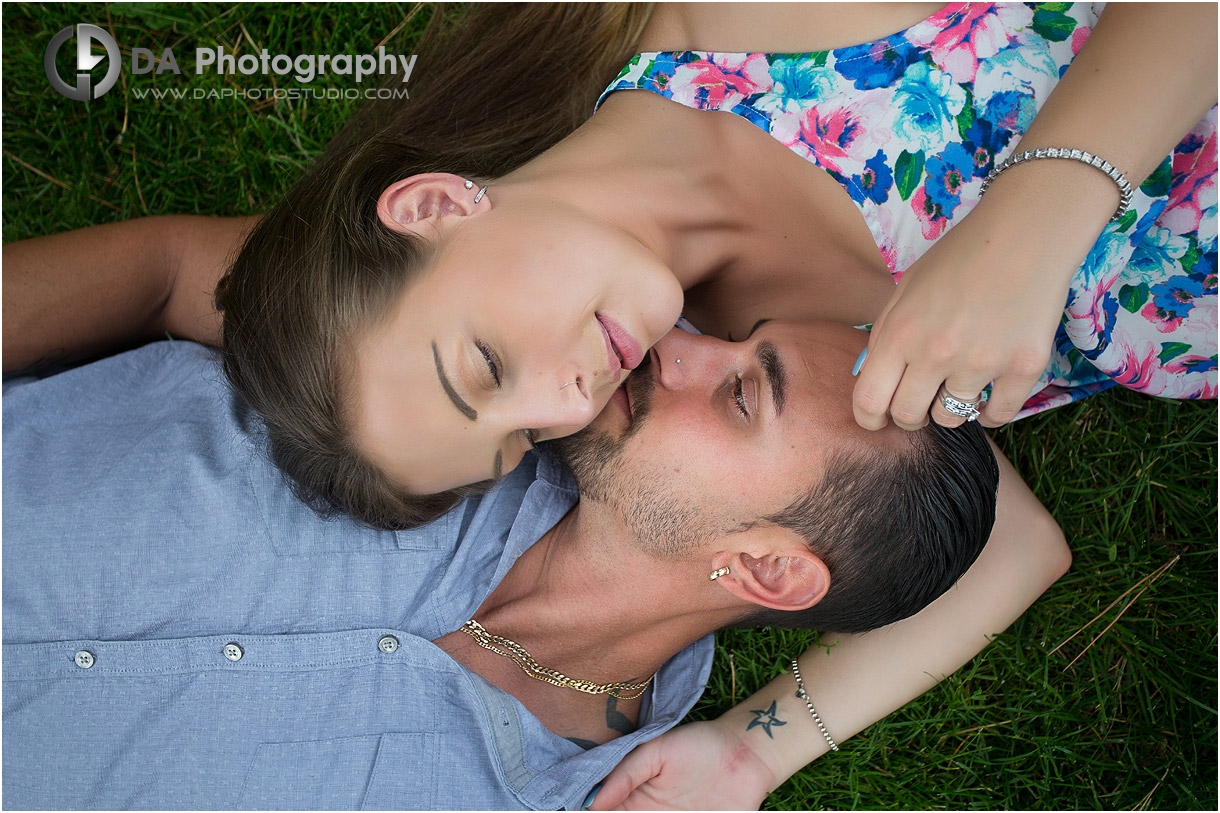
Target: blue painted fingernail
859	362
592	795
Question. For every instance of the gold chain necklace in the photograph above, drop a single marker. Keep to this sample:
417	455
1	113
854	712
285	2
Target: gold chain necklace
511	649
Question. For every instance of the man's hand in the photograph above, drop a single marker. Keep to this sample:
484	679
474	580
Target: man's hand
72	295
699	766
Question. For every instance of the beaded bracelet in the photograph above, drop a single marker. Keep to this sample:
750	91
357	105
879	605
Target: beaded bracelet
1124	187
804	695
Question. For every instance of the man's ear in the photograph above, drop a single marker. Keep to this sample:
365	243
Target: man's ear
425	199
786	578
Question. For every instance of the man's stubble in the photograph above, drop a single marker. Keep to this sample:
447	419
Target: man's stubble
662	519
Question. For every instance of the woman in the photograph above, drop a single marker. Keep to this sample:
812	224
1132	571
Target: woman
422	290
793	197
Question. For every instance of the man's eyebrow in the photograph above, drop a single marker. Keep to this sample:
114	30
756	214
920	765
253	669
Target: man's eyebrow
773	369
463	407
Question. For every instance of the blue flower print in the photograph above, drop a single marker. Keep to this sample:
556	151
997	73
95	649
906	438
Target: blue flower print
926	104
874	183
984	140
946	174
1012	110
875	64
798	83
1175	297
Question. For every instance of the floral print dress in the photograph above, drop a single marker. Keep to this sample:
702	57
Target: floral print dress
912	123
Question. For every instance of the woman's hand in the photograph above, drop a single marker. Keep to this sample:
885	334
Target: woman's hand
982	304
972	311
698	766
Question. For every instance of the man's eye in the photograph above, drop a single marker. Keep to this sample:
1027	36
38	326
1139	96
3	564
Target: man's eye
493	361
739	397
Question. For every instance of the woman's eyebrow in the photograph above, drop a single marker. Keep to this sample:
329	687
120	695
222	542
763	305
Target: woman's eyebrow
463	407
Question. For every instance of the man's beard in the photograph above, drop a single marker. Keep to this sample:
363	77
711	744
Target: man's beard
659	517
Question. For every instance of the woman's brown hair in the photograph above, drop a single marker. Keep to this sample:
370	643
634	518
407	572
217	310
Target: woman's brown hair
488	93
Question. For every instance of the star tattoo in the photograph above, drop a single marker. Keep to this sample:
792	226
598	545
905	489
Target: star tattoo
765	719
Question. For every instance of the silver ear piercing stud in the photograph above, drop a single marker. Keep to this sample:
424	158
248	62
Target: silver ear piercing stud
469	184
479	196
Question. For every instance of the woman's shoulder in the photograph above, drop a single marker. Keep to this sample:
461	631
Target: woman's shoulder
779	27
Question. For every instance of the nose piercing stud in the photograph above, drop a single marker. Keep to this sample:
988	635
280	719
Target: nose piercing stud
677	361
570	383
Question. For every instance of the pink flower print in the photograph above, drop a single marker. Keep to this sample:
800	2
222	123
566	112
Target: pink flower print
1079	37
838	137
720	81
1194	188
1165	322
1087	318
1189	364
965	36
897	247
931	220
1139	368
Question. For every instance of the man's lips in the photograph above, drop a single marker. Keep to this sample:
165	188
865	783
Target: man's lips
622	350
622	399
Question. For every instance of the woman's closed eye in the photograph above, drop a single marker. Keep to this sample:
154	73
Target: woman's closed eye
494	366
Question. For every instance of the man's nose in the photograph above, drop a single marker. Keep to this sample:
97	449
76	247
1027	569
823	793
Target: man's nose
684	359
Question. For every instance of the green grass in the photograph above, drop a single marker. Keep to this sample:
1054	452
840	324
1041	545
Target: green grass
1132	480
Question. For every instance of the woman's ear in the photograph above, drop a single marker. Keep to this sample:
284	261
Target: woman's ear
788	579
410	204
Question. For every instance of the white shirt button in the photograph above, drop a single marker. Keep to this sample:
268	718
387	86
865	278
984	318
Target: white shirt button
387	644
84	659
233	652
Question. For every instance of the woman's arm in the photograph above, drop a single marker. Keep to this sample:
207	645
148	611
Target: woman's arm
859	680
983	303
72	295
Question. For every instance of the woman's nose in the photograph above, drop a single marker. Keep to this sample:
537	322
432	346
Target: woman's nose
558	408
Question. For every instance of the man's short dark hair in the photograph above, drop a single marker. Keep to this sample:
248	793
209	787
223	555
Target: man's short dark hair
896	530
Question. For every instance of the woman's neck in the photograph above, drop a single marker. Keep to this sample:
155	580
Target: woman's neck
674	195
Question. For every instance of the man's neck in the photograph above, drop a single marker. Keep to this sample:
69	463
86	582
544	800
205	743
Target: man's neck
584	603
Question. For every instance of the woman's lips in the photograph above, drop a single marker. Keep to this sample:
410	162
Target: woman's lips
621	347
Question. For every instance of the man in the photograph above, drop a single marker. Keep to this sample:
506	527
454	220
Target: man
181	632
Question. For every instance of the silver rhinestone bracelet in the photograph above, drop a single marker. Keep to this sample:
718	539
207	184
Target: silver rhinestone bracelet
1124	187
804	695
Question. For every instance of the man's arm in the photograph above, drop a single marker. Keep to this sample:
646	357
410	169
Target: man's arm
862	678
83	292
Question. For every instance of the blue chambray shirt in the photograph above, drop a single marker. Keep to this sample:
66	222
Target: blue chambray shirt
233	646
